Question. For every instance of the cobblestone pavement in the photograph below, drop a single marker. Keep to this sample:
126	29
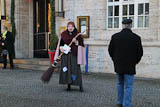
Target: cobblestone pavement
19	88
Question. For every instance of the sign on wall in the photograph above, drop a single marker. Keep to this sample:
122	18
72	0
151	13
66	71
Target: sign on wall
83	25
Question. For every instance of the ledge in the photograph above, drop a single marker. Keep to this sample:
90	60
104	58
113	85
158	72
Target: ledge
96	42
105	43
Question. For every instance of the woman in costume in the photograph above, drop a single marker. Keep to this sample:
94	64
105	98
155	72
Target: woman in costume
70	73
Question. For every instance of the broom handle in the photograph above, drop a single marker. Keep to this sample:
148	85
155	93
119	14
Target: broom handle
59	57
69	45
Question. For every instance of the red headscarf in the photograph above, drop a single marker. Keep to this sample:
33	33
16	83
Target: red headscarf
71	23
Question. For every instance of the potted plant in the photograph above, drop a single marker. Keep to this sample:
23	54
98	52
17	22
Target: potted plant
52	47
53	36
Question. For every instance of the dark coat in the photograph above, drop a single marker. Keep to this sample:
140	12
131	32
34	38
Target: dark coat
9	42
0	45
70	60
126	50
66	39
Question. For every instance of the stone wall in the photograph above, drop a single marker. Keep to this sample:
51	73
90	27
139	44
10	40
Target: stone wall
99	60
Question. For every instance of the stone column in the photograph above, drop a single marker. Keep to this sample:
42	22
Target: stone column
31	36
158	20
24	26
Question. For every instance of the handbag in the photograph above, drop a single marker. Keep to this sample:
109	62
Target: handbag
81	55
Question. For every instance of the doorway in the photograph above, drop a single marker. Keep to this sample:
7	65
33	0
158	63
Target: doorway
41	23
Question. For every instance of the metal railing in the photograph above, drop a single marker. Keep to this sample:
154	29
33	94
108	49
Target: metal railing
41	41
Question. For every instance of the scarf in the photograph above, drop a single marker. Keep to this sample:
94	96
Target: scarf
4	35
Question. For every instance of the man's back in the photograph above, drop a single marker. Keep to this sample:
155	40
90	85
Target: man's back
126	51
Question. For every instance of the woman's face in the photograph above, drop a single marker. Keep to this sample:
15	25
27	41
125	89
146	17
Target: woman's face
70	28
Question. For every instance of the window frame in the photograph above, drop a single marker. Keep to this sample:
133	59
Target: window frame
120	3
143	15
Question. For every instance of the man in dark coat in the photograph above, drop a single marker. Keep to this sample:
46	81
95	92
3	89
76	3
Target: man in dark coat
126	50
0	45
8	47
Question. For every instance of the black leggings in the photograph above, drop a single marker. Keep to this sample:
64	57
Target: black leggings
10	60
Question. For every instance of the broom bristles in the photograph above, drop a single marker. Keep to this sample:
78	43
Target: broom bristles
47	74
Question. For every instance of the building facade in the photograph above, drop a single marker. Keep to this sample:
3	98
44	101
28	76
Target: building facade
105	17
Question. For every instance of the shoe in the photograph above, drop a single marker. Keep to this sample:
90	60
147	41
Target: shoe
81	89
4	68
69	87
119	105
11	67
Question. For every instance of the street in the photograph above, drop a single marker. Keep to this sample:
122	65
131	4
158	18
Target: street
23	88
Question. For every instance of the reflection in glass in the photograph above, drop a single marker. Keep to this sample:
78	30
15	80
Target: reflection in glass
132	21
131	9
110	20
110	0
146	8
140	21
146	21
116	22
140	9
110	11
116	12
125	9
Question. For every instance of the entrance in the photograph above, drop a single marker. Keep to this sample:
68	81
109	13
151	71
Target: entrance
41	27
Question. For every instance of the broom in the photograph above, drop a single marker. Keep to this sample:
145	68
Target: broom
48	73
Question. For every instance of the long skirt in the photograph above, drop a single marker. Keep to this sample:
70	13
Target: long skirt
70	72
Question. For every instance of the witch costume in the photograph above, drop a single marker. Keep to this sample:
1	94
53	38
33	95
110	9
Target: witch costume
70	73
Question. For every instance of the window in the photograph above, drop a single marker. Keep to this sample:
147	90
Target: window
113	17
137	10
127	0
59	5
59	8
3	11
128	12
143	15
113	0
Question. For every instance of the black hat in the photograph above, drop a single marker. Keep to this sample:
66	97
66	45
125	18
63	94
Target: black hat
127	21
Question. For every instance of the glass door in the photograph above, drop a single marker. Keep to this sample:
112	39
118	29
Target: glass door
41	28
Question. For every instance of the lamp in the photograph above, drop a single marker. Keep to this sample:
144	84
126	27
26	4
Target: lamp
3	9
59	8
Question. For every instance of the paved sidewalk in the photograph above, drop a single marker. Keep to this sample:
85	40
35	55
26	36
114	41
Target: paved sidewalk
21	88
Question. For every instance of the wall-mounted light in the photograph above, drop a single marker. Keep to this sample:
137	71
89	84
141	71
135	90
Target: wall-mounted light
59	8
3	9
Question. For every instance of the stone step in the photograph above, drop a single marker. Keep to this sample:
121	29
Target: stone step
31	67
30	64
32	61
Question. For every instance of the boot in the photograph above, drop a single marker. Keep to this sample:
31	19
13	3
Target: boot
119	105
81	89
69	87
